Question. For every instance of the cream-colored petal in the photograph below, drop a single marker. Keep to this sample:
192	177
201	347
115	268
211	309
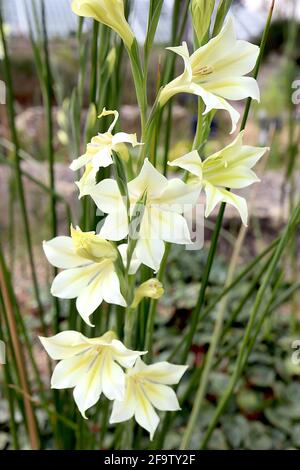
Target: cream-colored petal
102	159
150	252
190	162
234	88
115	225
61	254
216	195
162	372
178	196
184	53
112	377
80	162
134	264
122	137
89	298
124	410
64	344
107	196
88	390
217	47
144	412
235	177
125	357
149	181
110	288
69	283
162	397
68	372
169	226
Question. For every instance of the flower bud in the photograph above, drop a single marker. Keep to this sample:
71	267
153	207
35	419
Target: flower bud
152	289
201	15
108	12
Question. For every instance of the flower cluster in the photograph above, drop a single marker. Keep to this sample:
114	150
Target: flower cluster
95	366
141	214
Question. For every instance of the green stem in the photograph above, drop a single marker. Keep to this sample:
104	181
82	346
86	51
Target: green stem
21	193
288	232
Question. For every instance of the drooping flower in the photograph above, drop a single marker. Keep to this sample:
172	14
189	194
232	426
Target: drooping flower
91	365
216	72
151	289
89	270
108	12
99	152
159	219
228	168
146	389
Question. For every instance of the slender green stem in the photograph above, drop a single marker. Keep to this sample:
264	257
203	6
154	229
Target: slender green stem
21	193
285	238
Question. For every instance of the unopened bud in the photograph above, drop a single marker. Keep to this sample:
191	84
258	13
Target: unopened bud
152	289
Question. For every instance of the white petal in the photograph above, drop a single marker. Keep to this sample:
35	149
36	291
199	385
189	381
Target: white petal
110	289
190	162
115	226
168	226
134	264
162	397
125	357
61	254
89	298
69	283
122	137
102	159
64	344
113	378
162	372
150	252
80	162
184	53
107	196
216	195
149	180
69	371
234	88
144	412
124	410
177	195
88	390
217	47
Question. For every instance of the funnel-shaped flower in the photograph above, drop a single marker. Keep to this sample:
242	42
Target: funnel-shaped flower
89	271
146	389
215	72
108	12
91	365
156	219
228	168
99	152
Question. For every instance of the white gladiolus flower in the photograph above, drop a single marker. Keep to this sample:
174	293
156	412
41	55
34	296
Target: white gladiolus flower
89	271
91	365
99	152
228	168
108	12
216	72
160	219
146	389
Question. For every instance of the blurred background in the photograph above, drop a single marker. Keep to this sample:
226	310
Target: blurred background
265	412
